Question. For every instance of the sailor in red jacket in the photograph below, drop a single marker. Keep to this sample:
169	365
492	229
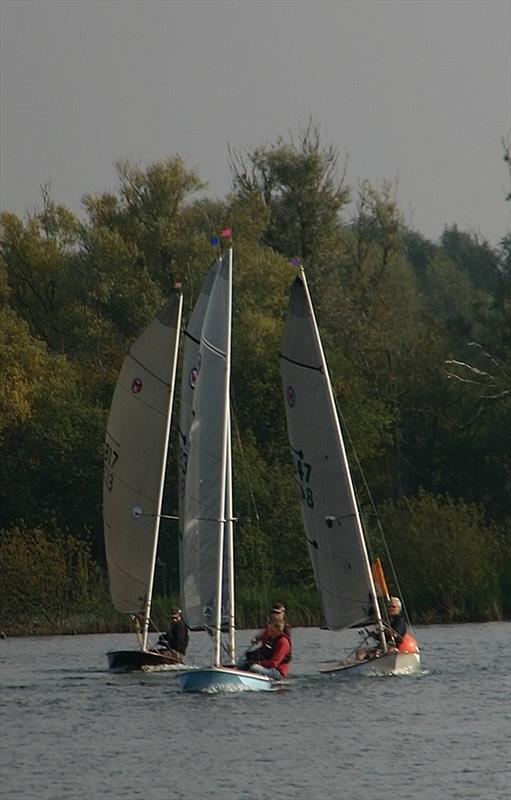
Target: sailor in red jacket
277	660
278	614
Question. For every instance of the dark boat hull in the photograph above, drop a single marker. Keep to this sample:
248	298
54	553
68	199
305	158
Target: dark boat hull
141	660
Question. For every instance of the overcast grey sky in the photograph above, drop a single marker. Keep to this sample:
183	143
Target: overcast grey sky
415	91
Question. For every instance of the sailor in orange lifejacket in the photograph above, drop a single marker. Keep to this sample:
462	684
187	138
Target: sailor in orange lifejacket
397	634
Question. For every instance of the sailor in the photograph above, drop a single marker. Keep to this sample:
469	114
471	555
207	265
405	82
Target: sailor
177	636
276	660
397	623
395	632
278	614
261	645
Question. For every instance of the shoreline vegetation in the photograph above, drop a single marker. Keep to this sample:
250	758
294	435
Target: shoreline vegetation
97	614
252	612
416	334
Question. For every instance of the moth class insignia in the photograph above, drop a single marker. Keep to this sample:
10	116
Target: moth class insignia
291	396
193	377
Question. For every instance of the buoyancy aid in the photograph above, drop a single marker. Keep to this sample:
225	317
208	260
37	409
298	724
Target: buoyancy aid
268	647
408	644
268	644
287	659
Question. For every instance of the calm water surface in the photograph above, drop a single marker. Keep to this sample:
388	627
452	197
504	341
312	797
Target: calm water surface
72	731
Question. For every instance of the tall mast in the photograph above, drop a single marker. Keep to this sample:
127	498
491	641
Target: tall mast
229	538
223	488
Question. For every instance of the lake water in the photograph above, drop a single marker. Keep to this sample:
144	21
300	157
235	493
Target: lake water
72	731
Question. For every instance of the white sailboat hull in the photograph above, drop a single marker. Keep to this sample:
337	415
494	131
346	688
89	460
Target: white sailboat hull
223	679
389	664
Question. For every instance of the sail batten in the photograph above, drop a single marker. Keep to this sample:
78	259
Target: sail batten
301	363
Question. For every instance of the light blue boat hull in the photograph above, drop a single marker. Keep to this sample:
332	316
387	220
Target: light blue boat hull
223	679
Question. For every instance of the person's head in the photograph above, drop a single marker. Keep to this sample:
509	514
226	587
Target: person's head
175	614
394	606
278	612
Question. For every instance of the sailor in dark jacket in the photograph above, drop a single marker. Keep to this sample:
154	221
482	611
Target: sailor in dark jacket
397	622
177	636
394	631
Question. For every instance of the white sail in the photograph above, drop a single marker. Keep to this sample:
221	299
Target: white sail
329	508
207	562
135	457
191	339
203	441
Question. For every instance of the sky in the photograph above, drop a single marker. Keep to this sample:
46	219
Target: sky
410	91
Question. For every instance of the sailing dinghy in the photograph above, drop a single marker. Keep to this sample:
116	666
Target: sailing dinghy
134	471
206	513
330	512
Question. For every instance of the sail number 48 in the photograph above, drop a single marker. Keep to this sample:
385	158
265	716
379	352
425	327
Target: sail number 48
302	475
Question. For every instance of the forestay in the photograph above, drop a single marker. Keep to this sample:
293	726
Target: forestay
202	437
329	508
135	455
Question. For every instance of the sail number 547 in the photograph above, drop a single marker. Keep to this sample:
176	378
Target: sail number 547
302	474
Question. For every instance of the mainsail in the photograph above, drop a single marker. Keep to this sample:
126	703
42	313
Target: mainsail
203	433
135	458
207	551
329	508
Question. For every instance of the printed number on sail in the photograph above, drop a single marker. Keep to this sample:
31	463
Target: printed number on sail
111	457
302	475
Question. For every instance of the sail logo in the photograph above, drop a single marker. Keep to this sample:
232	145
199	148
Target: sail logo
291	396
193	377
136	386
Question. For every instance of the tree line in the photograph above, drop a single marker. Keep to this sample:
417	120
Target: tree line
417	335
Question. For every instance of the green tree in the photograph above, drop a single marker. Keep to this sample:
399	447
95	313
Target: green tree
43	578
382	352
152	215
447	557
48	435
299	184
23	360
37	258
